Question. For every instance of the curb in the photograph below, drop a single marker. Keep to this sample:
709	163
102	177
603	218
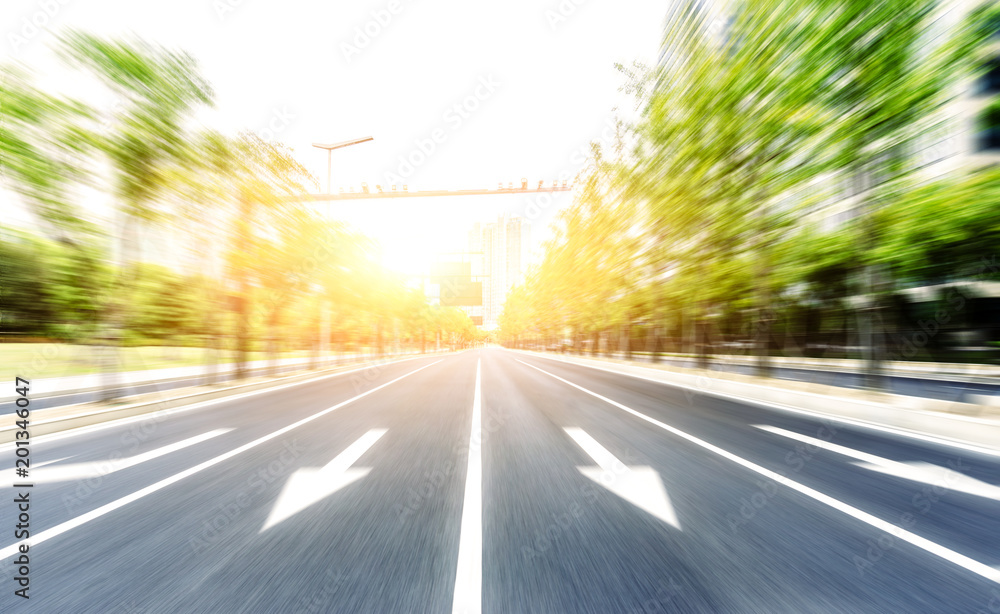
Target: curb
943	421
93	414
978	373
296	367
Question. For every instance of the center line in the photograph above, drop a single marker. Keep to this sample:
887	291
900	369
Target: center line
469	575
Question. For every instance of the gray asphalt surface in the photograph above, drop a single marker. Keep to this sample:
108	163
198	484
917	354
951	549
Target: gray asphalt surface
953	389
553	540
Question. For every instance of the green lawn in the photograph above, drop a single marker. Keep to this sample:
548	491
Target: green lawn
41	360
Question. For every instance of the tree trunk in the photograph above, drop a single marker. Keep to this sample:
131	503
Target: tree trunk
244	228
701	337
868	331
653	347
272	344
113	331
762	328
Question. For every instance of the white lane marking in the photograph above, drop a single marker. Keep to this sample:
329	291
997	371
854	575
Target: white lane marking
924	544
309	484
771	405
162	414
604	459
917	471
826	445
939	477
139	494
101	468
469	574
640	485
52	462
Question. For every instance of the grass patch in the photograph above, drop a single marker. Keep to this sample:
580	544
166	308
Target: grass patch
43	360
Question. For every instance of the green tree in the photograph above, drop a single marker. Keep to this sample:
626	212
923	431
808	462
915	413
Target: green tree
159	90
43	150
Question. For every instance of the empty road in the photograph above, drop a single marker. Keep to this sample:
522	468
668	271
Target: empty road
497	481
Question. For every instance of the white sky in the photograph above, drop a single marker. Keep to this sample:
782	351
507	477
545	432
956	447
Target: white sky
285	66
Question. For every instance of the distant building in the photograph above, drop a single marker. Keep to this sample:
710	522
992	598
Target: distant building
502	264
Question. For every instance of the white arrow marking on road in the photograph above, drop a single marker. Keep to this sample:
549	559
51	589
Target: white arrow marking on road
101	468
923	543
309	485
917	471
640	485
938	476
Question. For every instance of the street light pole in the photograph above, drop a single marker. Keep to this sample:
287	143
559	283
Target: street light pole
324	327
329	153
329	167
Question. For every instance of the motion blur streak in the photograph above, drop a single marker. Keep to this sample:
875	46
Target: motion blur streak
780	255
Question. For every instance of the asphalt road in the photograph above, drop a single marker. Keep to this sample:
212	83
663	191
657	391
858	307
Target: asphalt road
953	390
507	482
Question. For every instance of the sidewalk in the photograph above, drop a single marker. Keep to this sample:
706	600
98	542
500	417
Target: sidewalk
946	421
968	372
156	405
55	386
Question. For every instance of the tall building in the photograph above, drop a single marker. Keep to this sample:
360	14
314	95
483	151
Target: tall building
503	246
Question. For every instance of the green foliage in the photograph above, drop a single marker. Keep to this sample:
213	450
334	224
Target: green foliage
942	231
41	148
160	89
700	217
50	288
283	265
163	303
